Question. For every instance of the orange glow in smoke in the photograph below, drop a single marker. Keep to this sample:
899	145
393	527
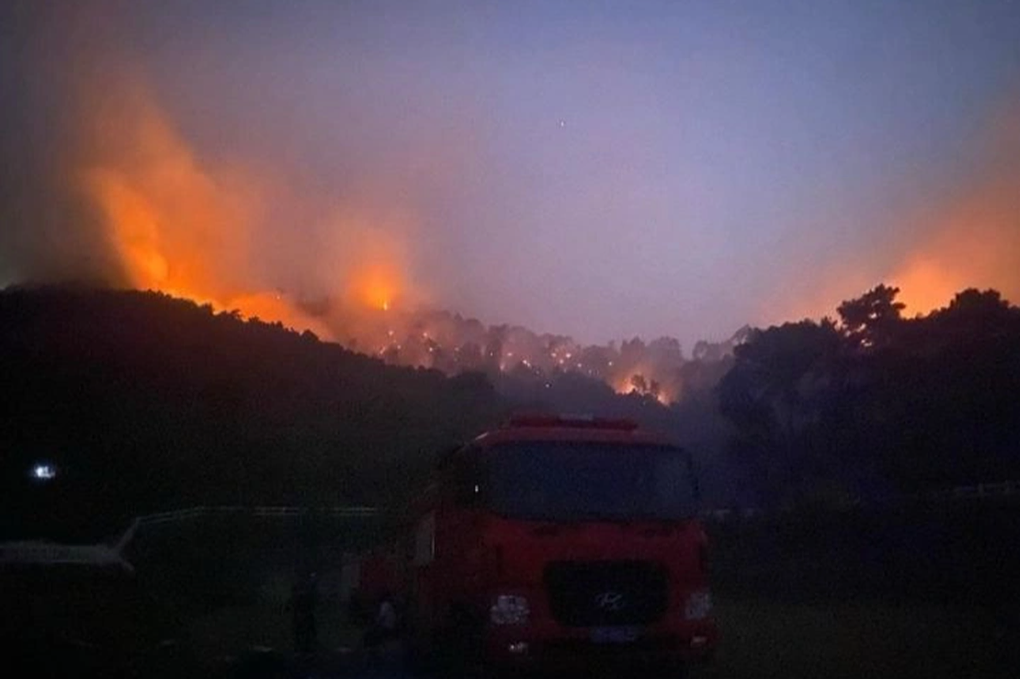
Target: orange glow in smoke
925	285
968	238
376	285
624	386
977	244
180	225
174	225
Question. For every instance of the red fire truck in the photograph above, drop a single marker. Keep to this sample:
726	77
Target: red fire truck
561	542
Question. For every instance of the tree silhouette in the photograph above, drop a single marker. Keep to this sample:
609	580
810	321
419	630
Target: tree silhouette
870	320
880	401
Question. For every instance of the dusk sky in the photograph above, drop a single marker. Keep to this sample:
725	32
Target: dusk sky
602	169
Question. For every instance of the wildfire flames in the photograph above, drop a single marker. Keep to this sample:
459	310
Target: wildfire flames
182	224
186	227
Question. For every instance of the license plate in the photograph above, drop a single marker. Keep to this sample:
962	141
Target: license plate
614	635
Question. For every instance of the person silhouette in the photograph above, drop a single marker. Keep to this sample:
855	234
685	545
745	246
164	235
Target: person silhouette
303	603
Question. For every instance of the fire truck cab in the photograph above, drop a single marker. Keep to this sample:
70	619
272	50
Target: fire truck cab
561	542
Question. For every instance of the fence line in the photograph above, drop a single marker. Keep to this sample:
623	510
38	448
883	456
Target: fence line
978	492
342	512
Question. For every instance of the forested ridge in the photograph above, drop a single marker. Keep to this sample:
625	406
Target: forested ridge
146	402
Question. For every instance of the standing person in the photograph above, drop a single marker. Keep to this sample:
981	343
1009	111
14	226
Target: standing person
303	602
384	626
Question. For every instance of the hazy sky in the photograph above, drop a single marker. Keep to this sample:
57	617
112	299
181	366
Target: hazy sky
603	169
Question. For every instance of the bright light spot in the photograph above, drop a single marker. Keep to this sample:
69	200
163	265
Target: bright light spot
44	472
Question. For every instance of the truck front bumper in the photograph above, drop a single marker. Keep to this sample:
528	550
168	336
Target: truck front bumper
577	651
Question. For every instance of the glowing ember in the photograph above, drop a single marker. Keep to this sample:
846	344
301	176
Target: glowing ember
375	285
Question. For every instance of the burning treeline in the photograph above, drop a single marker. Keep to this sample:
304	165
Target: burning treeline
188	227
159	213
192	229
454	344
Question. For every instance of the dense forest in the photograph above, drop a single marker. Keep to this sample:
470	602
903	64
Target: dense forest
877	406
143	402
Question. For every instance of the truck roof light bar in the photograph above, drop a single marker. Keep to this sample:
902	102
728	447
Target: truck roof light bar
572	421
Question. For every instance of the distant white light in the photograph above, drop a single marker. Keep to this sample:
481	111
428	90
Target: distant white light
44	472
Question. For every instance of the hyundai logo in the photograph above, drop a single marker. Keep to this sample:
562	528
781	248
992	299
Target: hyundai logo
610	601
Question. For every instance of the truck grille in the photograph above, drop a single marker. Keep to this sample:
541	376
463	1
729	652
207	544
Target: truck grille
606	593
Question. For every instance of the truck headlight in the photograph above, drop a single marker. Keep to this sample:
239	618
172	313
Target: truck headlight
699	605
510	609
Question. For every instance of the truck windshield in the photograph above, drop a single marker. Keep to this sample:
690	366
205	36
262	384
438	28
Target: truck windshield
560	481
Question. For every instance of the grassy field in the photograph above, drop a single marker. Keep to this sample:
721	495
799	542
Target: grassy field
832	641
230	631
820	597
761	639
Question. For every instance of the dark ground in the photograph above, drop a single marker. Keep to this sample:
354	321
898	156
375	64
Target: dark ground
919	592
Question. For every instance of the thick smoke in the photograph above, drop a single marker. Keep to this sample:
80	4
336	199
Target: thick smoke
113	176
974	236
968	236
106	188
48	231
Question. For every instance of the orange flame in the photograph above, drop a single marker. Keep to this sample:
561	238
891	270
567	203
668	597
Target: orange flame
183	226
376	285
174	225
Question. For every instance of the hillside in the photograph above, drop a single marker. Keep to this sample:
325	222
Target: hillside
146	402
142	402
